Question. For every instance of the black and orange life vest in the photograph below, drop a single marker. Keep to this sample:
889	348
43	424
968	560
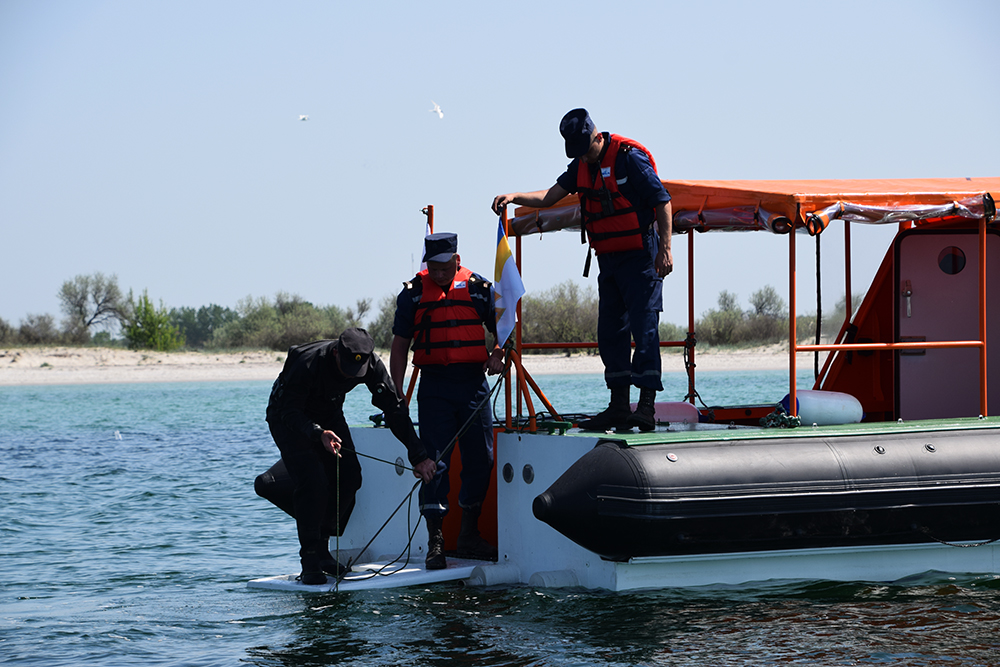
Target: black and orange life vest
447	328
609	218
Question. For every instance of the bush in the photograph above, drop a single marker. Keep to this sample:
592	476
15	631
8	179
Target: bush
288	321
256	325
672	332
718	327
198	326
149	328
38	330
563	314
380	328
766	322
8	335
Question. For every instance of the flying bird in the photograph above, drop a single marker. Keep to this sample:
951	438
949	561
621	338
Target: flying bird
301	117
437	109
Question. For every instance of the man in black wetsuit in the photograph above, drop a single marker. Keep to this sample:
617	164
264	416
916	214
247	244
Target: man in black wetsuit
306	418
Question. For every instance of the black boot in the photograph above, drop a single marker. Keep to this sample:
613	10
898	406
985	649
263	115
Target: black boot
470	543
312	572
645	412
329	564
435	544
617	414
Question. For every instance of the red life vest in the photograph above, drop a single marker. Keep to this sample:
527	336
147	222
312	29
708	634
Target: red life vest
610	220
447	329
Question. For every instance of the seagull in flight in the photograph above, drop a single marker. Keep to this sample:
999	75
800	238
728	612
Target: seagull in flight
301	117
437	109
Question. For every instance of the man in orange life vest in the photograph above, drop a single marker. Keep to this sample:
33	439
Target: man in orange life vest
443	311
621	196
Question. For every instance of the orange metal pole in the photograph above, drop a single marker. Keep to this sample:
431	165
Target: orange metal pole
792	343
413	383
849	308
690	370
429	212
538	391
523	388
982	317
506	379
925	345
517	326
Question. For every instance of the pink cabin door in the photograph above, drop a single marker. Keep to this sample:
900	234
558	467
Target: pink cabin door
937	296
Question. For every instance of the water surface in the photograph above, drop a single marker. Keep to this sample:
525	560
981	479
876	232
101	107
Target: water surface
129	528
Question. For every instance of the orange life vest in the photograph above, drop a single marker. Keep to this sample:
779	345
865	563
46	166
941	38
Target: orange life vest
610	220
447	329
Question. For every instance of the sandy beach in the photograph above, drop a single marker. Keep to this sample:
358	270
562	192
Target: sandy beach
94	365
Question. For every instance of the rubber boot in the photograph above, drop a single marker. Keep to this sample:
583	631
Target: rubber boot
312	572
435	544
329	564
645	412
470	543
617	413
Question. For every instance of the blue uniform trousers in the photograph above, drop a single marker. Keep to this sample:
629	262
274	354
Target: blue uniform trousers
631	298
444	403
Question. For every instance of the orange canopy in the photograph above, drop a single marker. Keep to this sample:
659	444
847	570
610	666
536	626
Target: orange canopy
775	205
795	199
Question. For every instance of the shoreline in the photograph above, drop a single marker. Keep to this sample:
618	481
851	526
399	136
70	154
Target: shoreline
41	366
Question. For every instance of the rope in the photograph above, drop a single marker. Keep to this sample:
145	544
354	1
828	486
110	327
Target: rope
819	310
336	586
409	496
926	532
780	419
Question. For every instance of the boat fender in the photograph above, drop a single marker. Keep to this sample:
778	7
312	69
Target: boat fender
825	407
494	575
674	412
554	579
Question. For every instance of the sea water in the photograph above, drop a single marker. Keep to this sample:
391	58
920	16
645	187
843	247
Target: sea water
129	528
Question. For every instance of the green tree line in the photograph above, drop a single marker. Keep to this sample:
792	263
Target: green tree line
96	312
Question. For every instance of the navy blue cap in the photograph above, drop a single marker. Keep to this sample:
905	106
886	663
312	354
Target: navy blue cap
576	128
354	350
440	247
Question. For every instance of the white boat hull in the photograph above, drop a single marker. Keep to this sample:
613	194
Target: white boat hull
532	553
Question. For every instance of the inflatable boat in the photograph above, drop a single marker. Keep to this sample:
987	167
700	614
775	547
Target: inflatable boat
887	467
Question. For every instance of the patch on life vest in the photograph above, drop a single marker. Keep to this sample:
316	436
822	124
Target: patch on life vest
605	171
459	284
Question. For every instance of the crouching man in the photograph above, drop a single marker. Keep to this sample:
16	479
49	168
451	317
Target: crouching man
305	414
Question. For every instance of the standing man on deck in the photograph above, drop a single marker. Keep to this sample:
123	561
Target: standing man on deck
319	474
443	311
621	196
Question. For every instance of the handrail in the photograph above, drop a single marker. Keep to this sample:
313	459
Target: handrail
795	348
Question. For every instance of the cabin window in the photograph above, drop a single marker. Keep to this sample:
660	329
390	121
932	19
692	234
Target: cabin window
951	260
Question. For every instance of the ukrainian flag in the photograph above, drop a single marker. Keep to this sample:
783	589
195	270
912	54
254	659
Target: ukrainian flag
507	285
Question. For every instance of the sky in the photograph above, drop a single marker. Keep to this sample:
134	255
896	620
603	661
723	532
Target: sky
161	141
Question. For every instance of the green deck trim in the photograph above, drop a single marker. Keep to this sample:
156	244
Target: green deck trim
724	433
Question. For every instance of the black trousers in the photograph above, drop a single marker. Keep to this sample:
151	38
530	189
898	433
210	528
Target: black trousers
310	484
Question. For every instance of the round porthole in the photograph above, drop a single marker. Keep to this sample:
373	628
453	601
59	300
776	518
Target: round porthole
508	472
528	473
951	260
